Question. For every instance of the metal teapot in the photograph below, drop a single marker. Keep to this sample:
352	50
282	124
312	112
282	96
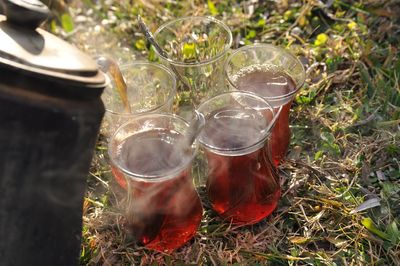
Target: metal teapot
50	115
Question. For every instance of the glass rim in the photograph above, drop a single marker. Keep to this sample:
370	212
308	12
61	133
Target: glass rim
171	94
153	178
280	49
208	61
265	133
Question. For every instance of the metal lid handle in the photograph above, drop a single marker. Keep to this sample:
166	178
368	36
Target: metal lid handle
25	13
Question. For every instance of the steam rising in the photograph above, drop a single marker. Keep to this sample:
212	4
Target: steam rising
152	153
232	129
266	80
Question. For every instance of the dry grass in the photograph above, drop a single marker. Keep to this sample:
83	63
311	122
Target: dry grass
345	146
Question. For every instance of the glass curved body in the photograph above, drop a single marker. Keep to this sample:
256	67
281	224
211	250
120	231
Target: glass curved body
242	183
152	164
151	88
197	48
276	75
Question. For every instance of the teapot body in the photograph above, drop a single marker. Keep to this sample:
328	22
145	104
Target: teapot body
46	145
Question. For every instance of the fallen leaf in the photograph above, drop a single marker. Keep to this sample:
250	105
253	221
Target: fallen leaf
369	224
368	204
298	239
336	241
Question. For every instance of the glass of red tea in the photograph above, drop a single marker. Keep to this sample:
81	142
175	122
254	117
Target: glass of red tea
276	75
152	161
150	88
242	183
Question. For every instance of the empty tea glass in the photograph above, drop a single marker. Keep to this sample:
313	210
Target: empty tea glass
242	183
197	48
276	75
151	88
152	162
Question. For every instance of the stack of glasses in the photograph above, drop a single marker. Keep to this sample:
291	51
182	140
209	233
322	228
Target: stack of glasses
245	98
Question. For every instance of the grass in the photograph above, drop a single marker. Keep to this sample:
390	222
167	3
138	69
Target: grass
345	147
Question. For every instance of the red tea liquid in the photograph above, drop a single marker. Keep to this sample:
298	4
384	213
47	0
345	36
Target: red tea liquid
162	215
272	84
241	186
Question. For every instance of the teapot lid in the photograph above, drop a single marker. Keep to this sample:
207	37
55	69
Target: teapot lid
37	52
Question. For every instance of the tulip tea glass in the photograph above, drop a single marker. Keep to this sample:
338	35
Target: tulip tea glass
276	75
197	48
242	183
151	88
152	162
